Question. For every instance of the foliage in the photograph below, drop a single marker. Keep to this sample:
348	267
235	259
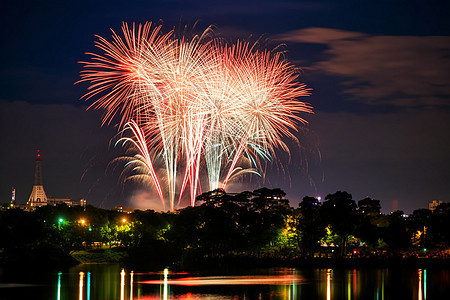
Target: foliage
259	224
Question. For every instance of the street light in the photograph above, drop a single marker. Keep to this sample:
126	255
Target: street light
82	221
60	222
124	220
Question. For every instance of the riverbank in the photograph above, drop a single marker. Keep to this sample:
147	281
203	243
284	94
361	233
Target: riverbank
108	255
192	262
232	262
149	259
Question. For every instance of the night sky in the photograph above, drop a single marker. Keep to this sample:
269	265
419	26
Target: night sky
379	70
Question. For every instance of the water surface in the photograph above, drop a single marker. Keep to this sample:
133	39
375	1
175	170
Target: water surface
105	281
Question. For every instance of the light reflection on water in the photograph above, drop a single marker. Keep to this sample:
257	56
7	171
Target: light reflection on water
329	284
287	284
58	292
80	290
122	285
422	292
131	285
102	282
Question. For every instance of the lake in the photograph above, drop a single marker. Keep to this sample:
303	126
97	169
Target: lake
107	281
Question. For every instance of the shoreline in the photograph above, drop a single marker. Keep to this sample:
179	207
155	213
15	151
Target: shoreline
125	258
141	258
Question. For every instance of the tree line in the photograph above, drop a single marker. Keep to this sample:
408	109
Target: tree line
258	224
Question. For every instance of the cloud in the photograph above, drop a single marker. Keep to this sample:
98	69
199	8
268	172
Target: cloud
397	137
404	71
400	155
319	35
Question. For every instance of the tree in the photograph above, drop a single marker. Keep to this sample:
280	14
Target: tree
440	223
264	199
108	232
269	211
369	206
310	225
223	223
369	210
396	233
339	211
419	222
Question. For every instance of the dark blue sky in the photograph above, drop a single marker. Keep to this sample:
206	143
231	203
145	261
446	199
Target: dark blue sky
380	73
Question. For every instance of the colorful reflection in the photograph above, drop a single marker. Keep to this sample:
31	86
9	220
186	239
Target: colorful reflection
380	287
227	280
88	286
329	284
425	284
294	294
58	292
122	284
290	290
349	286
422	286
166	273
131	285
106	286
80	289
285	284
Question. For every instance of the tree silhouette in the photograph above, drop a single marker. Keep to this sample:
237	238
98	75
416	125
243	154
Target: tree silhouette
339	211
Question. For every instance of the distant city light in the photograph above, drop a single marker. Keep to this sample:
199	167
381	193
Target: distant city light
82	221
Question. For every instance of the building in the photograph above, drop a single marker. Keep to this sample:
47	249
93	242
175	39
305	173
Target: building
432	205
38	197
67	201
124	209
12	204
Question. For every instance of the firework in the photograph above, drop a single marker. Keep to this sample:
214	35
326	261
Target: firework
140	163
197	105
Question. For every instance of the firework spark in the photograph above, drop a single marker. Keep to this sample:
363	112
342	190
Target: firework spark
194	102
